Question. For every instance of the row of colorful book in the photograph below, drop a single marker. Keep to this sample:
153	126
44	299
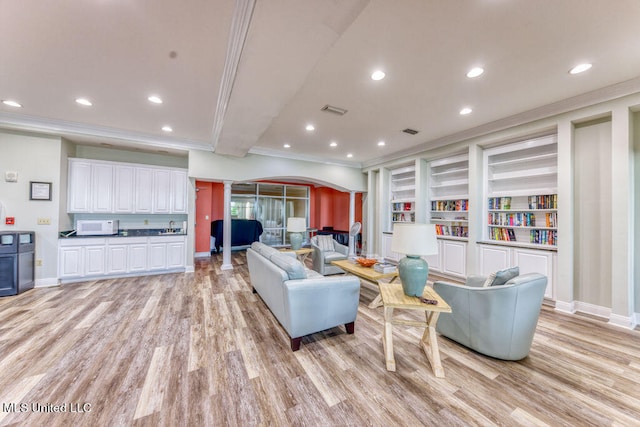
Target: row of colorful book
452	230
499	203
450	205
544	237
548	201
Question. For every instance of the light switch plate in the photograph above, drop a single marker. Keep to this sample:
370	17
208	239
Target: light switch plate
11	176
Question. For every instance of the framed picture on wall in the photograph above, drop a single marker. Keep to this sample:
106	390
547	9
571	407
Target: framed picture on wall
39	190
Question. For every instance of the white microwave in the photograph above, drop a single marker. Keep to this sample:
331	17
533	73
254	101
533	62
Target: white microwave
96	227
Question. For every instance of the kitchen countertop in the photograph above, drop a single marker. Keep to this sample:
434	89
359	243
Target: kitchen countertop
131	232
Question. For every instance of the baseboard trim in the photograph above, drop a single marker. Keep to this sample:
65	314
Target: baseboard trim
202	255
47	283
566	307
626	322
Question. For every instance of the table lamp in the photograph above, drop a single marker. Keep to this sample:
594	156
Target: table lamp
414	240
296	226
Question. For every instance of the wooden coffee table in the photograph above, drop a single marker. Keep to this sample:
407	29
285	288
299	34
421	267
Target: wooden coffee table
368	274
394	297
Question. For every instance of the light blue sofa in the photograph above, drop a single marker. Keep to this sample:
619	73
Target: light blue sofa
498	321
303	301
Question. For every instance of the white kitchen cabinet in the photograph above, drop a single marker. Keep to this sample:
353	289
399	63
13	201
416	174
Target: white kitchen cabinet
83	258
79	186
96	186
175	255
117	259
143	190
157	256
496	257
387	253
451	258
123	189
138	256
161	191
101	188
178	191
70	262
454	257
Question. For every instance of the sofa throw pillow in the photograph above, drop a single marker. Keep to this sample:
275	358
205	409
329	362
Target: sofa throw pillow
489	281
503	276
293	267
325	243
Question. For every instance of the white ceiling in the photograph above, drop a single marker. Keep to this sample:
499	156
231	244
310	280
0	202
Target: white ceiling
237	77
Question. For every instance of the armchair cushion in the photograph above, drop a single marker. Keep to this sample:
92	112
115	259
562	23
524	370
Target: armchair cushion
325	242
503	276
490	279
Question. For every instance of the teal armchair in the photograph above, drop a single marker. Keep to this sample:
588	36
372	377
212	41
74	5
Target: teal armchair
497	321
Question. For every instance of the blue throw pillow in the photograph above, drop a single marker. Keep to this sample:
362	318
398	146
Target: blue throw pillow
503	276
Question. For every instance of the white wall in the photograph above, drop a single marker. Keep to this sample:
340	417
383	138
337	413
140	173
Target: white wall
34	158
214	167
592	213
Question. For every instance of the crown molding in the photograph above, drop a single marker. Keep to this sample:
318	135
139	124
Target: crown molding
241	19
74	130
302	157
608	93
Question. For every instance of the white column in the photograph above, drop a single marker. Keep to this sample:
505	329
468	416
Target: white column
372	218
226	229
622	198
352	218
563	287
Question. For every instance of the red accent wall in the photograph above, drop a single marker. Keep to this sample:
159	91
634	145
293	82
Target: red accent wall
327	208
209	207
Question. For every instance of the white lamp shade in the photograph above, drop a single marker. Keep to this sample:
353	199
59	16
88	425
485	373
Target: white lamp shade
296	225
414	239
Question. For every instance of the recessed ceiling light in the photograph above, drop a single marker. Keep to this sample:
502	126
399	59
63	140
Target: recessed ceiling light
475	72
381	144
167	128
333	144
378	75
465	111
310	127
11	103
84	101
287	146
155	99
580	68
349	155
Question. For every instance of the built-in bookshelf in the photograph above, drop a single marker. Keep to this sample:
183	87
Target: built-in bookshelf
448	196
521	193
403	194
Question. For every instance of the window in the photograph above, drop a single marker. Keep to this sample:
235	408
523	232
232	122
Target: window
272	205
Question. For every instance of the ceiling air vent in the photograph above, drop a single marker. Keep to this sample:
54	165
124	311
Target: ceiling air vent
332	109
410	131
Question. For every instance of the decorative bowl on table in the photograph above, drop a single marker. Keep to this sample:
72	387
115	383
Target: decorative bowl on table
366	262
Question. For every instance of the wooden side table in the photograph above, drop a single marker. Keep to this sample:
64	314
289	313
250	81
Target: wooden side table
393	297
301	253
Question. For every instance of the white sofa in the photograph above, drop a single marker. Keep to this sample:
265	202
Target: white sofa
303	301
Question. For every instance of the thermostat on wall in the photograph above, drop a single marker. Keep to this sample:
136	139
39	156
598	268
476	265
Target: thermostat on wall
11	176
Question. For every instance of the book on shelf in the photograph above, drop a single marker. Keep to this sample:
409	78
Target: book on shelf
452	230
450	205
547	201
385	267
499	203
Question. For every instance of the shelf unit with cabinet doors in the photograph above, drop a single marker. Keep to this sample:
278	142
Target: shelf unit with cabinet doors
449	196
521	186
403	194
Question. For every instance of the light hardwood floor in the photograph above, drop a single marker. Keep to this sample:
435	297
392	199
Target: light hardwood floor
201	350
